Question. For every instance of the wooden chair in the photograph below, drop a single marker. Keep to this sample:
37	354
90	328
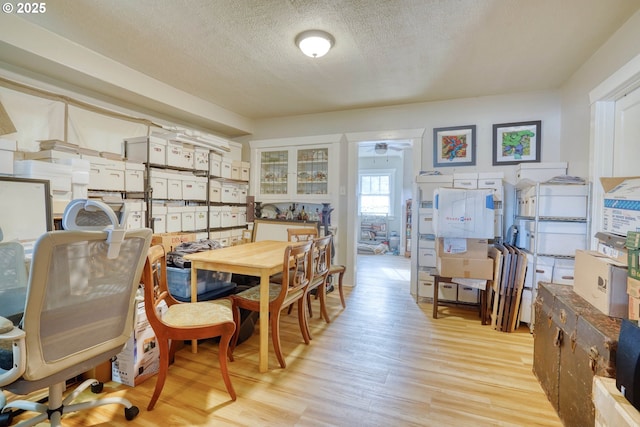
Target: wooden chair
339	270
321	262
183	321
296	275
301	234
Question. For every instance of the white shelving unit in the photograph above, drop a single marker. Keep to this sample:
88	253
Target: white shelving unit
553	222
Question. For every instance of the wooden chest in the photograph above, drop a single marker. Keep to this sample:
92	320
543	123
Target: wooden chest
573	341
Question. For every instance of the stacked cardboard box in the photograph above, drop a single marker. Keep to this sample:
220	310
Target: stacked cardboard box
140	357
601	281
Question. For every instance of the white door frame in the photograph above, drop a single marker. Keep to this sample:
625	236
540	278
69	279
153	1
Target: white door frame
353	140
603	106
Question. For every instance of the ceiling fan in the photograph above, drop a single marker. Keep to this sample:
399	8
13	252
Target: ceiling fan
382	147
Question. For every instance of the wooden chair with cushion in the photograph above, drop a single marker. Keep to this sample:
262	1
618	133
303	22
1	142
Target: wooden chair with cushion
183	321
296	275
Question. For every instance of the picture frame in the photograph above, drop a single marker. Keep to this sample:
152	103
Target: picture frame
515	143
454	146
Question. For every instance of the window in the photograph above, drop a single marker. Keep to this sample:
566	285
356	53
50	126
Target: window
376	193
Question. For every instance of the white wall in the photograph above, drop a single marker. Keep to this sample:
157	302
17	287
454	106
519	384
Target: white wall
575	131
483	112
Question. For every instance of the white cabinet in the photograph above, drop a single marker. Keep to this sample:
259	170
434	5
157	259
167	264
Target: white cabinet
300	173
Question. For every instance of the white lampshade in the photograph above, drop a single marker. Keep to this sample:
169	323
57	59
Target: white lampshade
314	43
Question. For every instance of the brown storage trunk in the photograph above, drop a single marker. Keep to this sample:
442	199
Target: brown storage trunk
573	341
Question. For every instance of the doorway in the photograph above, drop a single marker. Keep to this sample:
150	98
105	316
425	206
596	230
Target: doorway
384	184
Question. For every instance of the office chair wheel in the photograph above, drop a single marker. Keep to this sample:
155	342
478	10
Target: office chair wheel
97	387
131	413
6	418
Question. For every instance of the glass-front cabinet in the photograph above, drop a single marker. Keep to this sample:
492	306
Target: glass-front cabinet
274	172
294	174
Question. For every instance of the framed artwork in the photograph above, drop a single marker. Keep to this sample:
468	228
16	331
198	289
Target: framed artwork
515	143
454	146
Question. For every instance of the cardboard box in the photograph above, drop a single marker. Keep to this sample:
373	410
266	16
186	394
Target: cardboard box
633	254
633	287
465	258
612	246
171	240
634	308
463	213
602	281
140	357
621	210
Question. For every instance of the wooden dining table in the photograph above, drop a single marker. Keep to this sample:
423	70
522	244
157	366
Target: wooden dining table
261	259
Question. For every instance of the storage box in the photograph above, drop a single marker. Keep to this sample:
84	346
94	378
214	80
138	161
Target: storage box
613	246
136	150
466	258
140	357
463	213
564	271
215	161
106	174
174	186
170	240
540	172
561	201
427	253
425	284
556	238
465	180
215	217
602	281
543	271
179	281
188	219
425	221
447	291
225	169
467	294
174	219
621	211
59	175
215	191
133	177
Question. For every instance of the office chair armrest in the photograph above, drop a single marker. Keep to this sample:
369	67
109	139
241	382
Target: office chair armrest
14	342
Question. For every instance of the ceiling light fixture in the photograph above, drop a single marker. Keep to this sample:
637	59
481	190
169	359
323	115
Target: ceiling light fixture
381	148
315	43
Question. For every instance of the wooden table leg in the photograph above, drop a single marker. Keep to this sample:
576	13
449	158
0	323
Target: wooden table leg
436	286
194	298
263	357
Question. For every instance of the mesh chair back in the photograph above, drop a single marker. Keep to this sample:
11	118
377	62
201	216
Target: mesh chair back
80	301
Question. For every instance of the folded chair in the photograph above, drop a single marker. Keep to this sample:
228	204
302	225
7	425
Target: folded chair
173	321
78	313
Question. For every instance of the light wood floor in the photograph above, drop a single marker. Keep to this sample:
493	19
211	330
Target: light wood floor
383	361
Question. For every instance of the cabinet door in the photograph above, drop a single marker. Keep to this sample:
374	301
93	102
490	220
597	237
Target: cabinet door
312	171
274	173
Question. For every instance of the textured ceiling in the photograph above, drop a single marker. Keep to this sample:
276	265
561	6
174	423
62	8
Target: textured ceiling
240	55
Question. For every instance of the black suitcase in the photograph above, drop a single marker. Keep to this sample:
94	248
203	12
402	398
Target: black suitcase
573	341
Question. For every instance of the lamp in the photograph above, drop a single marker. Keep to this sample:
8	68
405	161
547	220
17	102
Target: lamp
380	148
314	43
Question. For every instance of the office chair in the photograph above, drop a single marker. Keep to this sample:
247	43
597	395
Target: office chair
79	313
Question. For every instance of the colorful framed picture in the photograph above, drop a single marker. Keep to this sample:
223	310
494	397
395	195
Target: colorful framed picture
454	146
515	143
